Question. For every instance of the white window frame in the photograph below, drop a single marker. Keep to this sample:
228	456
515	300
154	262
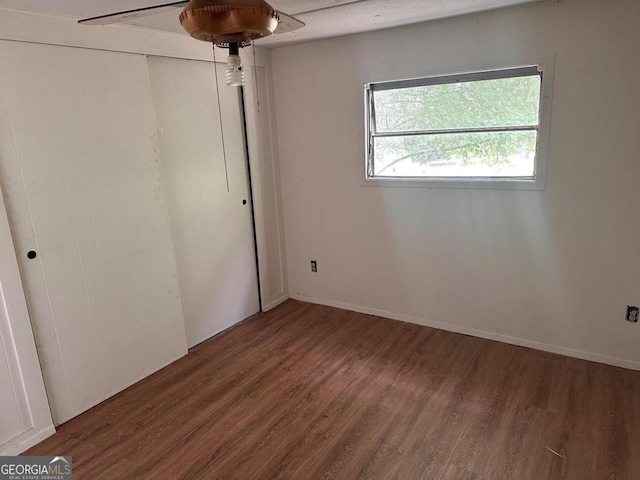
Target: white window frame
536	182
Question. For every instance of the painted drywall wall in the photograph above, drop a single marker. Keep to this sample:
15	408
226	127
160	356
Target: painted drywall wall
551	269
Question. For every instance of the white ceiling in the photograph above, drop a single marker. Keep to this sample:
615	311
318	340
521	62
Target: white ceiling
324	18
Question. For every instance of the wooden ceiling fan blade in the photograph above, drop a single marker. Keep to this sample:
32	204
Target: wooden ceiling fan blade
288	23
130	14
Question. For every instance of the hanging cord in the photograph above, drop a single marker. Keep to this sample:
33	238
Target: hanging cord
224	150
255	74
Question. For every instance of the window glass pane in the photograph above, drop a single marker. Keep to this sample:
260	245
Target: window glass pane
502	154
504	102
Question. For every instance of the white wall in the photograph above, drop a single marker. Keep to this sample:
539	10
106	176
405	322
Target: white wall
552	269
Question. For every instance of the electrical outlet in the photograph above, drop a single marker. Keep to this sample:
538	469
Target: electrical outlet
632	314
314	266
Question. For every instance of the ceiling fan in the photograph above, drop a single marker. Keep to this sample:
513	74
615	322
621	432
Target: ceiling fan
231	24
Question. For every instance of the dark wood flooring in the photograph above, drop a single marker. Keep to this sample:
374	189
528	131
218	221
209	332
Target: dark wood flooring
311	392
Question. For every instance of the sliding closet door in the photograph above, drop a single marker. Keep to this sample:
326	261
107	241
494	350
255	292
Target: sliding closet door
79	165
209	204
24	412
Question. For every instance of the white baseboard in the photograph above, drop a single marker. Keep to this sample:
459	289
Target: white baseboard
26	441
274	303
521	342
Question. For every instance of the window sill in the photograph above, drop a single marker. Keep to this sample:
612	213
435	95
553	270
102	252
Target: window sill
456	182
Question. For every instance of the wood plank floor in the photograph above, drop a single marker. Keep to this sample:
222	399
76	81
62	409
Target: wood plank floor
312	392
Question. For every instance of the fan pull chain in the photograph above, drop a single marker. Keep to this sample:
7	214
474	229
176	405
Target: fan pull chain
224	150
255	74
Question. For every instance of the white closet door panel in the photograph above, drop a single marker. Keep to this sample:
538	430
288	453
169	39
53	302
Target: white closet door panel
103	289
10	422
17	208
212	228
34	127
25	418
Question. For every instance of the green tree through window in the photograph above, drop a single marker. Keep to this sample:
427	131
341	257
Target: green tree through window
475	127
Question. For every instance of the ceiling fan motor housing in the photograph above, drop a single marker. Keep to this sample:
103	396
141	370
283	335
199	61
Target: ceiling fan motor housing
229	21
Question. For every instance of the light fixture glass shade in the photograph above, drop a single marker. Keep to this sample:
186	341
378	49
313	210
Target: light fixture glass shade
234	74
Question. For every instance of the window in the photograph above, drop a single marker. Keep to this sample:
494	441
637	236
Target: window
483	129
